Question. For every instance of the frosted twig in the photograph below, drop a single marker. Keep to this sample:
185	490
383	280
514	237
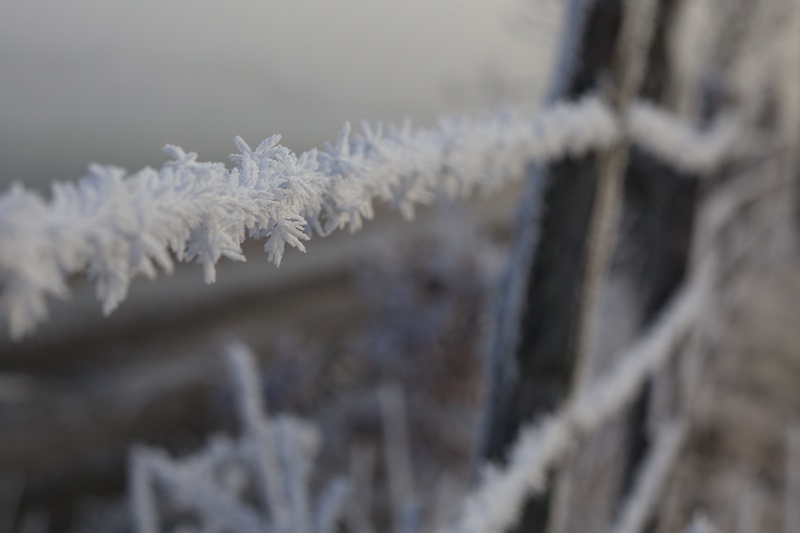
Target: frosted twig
143	506
645	492
254	419
405	506
270	462
331	506
216	507
297	446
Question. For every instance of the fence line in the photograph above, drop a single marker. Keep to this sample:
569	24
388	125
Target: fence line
496	504
119	226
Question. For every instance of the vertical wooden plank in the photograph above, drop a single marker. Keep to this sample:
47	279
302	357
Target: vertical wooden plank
533	354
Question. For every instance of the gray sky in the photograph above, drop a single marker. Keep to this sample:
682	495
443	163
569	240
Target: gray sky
112	82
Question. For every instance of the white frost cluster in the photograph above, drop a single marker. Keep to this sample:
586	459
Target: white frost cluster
257	483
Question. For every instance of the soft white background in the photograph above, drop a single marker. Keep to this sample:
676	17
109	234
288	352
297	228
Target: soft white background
113	81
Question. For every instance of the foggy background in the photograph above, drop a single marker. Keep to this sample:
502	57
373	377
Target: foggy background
112	82
92	81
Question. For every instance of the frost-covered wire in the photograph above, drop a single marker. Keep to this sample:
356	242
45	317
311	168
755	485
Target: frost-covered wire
679	144
141	493
119	226
497	503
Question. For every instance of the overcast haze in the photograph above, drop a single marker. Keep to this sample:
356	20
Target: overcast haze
112	82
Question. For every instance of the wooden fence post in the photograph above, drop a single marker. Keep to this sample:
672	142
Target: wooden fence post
533	355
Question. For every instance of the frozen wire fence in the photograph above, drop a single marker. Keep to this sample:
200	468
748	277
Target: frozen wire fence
497	503
688	149
118	226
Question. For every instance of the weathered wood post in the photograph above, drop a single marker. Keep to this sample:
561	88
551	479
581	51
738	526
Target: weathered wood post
540	342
